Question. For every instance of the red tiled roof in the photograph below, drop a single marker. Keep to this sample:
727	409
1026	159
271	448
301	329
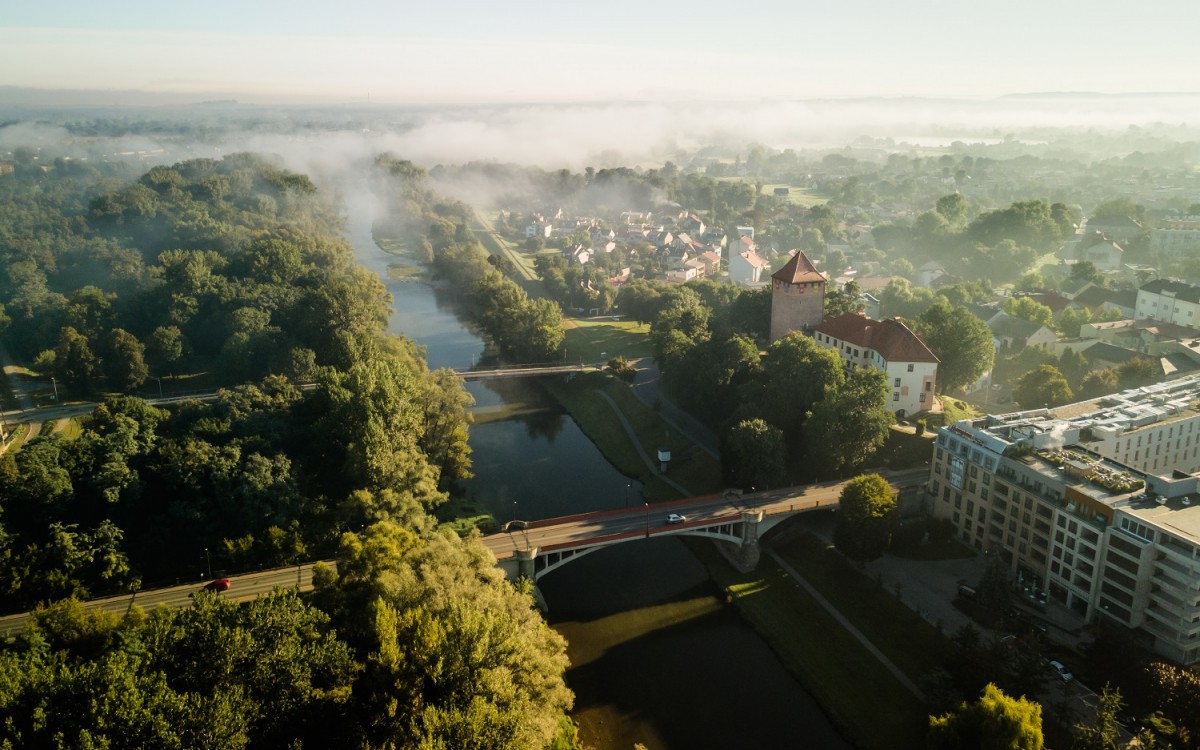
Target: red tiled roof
891	338
799	270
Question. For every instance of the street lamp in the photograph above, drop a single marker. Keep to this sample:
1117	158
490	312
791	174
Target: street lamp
160	392
514	510
208	560
646	513
54	384
628	490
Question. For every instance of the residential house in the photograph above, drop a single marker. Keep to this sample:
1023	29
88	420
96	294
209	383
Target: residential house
1095	248
747	268
712	262
887	345
1017	333
1120	228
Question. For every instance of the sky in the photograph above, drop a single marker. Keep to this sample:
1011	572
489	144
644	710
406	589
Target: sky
481	51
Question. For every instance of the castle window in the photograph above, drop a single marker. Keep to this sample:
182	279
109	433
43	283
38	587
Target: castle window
910	367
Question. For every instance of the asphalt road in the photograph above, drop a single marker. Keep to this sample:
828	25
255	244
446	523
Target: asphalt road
243	588
651	520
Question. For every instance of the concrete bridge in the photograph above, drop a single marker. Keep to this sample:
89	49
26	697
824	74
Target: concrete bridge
524	371
734	519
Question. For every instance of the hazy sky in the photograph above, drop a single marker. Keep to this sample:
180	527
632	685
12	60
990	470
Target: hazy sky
484	51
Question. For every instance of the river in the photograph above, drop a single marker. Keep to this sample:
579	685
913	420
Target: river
656	656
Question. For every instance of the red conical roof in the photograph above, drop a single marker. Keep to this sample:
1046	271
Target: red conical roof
799	270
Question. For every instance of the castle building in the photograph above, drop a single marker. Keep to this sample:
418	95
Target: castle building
886	345
797	297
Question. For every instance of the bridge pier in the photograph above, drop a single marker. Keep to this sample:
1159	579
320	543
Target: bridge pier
526	559
744	556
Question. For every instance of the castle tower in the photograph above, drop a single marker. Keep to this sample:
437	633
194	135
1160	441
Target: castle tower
797	297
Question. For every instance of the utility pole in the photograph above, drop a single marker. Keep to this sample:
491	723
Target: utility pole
208	560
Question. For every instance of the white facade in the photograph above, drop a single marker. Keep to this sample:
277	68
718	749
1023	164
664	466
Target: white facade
911	381
1096	535
1170	301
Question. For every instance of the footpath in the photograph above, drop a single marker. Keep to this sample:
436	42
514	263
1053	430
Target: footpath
929	595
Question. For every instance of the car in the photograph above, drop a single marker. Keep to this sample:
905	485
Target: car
675	518
220	584
516	526
1063	673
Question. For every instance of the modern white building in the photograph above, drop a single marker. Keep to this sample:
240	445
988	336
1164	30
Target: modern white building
886	345
1069	500
1169	300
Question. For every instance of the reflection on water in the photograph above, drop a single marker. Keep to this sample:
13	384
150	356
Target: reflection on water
657	657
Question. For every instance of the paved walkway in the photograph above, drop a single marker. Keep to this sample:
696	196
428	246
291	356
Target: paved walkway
637	444
647	387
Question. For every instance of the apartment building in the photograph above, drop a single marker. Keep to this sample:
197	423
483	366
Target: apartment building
1044	493
1170	301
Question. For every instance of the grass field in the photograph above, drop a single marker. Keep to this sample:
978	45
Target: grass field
862	698
798	196
601	339
691	467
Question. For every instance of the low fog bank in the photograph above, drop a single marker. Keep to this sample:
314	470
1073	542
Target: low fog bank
333	144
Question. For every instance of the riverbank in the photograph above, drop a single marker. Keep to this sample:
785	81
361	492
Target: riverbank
868	701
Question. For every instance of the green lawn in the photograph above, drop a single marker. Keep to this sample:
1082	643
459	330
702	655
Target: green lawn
691	467
596	340
797	196
957	409
862	698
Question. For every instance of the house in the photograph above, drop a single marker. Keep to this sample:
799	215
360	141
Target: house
541	229
1103	355
928	272
1016	333
746	268
1119	228
889	346
1095	248
712	262
1169	300
746	232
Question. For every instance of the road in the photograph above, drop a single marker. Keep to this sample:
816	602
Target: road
650	520
243	588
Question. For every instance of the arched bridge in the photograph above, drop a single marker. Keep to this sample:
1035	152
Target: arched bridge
533	549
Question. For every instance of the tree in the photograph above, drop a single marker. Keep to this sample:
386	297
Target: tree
865	517
844	300
1098	383
1104	732
847	427
961	341
1137	372
994	722
1027	308
124	367
900	299
1071	319
755	455
1044	385
953	208
164	348
797	372
74	361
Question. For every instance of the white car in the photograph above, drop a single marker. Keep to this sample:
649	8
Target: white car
1063	673
675	518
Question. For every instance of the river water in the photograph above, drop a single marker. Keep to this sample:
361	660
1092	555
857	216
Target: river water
656	656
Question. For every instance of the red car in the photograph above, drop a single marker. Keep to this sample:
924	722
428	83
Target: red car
221	584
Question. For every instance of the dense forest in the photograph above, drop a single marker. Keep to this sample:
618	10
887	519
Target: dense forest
326	438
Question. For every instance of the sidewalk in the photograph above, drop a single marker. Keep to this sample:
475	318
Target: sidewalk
647	387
